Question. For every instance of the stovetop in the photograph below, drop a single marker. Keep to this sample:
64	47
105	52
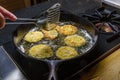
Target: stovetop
33	70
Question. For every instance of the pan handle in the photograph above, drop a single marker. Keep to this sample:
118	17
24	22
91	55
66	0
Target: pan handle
52	65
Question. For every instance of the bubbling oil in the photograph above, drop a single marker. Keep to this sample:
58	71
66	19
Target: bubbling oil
24	46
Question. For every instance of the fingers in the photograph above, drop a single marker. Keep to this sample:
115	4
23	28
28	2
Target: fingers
2	21
7	14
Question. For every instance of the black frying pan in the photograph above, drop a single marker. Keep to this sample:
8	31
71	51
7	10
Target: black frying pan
53	64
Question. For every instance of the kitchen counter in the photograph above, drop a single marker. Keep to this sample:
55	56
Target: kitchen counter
107	69
114	3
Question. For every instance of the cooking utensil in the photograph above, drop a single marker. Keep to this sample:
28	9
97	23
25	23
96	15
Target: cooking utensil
53	16
53	64
29	21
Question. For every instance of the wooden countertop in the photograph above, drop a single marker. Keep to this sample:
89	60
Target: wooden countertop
107	69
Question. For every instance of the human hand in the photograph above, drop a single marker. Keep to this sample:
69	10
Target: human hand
5	14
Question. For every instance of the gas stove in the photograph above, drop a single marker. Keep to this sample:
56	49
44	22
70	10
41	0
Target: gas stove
107	23
33	70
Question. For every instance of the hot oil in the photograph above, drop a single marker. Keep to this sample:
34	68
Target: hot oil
24	46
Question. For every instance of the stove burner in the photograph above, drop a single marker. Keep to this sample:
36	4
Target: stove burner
105	20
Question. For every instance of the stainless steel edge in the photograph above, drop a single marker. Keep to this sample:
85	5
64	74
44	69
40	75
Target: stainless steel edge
8	68
114	3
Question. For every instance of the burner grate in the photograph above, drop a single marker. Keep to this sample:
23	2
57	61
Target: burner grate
105	20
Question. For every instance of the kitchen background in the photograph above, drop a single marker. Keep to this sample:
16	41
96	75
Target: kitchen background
13	5
103	46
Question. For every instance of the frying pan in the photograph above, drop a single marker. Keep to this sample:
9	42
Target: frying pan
53	64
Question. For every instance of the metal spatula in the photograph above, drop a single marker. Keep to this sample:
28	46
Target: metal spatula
53	16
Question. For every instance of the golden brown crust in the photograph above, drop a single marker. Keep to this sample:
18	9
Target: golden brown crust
41	51
68	30
52	34
57	28
75	40
33	36
66	52
50	26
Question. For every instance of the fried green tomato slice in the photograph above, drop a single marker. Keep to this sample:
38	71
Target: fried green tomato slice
51	34
68	30
75	40
41	51
66	52
33	36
